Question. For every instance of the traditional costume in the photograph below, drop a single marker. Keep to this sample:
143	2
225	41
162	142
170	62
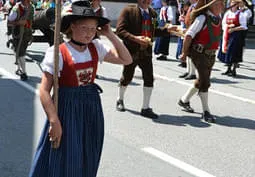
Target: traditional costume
135	21
232	43
200	44
21	34
79	105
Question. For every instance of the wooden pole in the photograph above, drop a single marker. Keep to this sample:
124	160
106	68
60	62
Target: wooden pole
56	51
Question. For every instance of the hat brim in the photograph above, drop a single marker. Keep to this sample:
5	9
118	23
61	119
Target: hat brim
66	21
201	6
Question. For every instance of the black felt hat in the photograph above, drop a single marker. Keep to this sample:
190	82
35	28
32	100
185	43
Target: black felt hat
79	10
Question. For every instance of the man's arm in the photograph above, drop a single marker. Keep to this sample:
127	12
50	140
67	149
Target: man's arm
123	26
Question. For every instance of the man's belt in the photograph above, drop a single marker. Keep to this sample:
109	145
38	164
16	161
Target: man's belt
201	49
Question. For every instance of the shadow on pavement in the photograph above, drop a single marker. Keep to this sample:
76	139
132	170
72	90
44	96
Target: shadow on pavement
223	81
16	129
182	121
103	78
35	57
4	53
236	122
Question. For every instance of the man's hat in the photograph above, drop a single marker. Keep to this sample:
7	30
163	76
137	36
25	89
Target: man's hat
79	10
202	4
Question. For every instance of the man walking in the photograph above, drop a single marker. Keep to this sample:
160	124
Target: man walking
200	43
136	27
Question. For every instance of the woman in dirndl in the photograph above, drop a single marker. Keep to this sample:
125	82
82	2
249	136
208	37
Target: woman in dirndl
234	24
72	140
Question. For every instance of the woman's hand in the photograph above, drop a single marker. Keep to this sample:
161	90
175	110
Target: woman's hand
55	133
105	30
231	30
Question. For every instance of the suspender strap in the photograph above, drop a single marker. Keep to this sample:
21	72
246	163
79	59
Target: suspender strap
212	37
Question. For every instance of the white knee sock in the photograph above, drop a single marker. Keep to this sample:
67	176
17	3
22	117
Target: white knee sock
187	66
122	90
204	100
190	92
146	97
192	67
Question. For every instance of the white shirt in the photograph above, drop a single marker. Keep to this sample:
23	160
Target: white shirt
242	19
77	57
247	12
197	25
169	13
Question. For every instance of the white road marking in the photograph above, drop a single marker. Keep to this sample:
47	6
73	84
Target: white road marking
177	163
211	90
18	81
33	90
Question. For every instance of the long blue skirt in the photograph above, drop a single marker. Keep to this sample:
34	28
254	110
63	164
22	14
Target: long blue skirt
235	46
81	116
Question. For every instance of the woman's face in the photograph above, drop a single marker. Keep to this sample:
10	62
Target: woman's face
84	30
235	5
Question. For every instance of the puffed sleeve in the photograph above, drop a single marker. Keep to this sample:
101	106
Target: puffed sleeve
48	61
196	26
102	49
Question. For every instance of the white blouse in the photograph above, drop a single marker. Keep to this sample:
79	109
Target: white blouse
242	19
77	57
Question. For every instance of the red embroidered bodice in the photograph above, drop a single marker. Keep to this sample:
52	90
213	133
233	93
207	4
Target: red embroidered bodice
77	74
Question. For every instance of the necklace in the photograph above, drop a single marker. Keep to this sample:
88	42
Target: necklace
77	43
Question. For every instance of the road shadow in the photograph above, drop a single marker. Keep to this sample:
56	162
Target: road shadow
223	81
33	81
236	122
240	76
169	59
37	57
133	112
103	78
193	121
5	53
249	44
16	129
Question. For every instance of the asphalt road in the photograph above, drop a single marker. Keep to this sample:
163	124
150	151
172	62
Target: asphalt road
178	144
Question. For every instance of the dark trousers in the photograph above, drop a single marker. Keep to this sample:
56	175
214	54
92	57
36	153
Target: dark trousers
204	64
144	61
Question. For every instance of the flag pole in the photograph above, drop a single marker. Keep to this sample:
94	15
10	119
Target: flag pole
56	51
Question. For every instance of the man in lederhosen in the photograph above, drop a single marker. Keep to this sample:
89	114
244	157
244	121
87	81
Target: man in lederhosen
200	43
136	27
20	18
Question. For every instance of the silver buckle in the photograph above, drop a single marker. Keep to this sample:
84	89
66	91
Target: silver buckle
199	48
